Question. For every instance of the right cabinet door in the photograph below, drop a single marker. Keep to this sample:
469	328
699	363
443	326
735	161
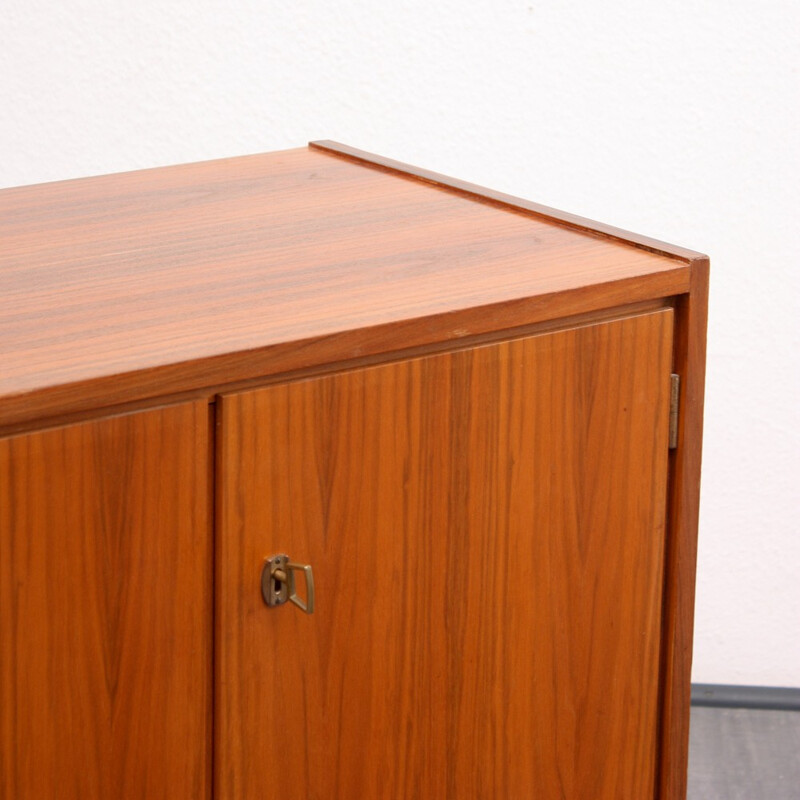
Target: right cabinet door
486	531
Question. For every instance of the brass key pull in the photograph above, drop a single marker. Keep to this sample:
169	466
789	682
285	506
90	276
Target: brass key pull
278	583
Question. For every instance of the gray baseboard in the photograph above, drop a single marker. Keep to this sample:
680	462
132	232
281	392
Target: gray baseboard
770	698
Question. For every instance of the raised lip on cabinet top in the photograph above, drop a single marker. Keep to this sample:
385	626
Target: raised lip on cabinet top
519	203
123	289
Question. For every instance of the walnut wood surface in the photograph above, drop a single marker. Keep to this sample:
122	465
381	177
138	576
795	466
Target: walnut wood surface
126	287
486	529
105	609
517	203
684	503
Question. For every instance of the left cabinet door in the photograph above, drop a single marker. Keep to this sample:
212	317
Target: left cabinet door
106	608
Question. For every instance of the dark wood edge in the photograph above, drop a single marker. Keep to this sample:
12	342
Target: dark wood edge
211	509
220	590
481	192
193	378
681	542
506	335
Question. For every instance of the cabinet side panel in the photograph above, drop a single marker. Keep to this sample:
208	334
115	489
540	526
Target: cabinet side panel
684	506
105	609
486	530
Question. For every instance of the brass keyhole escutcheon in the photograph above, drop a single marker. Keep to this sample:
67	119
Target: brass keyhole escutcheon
278	584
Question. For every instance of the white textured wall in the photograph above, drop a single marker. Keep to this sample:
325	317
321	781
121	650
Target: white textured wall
678	120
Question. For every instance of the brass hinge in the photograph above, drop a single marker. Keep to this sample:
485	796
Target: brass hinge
674	402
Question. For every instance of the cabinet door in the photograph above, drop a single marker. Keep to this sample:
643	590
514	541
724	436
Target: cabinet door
486	531
106	609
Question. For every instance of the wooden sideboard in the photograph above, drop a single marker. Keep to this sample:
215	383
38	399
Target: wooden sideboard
477	419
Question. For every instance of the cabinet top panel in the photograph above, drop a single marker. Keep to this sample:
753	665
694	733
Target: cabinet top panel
128	287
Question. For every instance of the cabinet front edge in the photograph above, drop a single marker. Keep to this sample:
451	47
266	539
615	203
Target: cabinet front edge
208	375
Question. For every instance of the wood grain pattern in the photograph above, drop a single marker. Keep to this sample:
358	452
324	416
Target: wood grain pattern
106	609
486	529
507	200
127	287
684	507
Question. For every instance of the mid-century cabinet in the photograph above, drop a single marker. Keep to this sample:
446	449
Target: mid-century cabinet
477	420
